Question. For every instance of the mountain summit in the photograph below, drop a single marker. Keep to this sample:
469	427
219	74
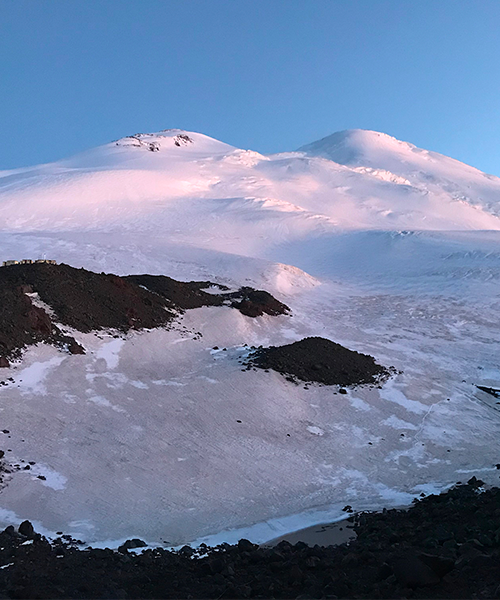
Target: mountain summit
364	148
358	147
153	182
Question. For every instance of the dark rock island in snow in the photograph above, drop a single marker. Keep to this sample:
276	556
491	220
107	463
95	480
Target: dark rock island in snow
316	359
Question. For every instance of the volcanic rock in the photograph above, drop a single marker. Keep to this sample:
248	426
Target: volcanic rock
368	567
317	359
87	301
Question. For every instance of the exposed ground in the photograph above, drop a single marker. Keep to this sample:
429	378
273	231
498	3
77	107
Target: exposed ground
88	301
186	295
445	546
316	359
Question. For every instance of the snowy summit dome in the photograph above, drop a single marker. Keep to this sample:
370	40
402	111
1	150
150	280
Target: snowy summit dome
357	147
172	139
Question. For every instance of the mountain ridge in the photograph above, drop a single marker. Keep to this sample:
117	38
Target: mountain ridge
150	181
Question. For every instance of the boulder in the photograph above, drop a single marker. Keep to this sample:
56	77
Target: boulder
26	529
412	572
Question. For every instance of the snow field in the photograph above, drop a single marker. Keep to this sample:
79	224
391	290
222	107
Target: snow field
390	250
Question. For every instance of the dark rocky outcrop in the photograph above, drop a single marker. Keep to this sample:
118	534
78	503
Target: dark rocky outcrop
492	391
319	360
26	529
186	295
132	544
87	301
254	303
397	554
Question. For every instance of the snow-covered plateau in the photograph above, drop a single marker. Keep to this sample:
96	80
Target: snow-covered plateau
380	246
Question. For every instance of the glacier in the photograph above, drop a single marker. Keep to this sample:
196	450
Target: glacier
383	247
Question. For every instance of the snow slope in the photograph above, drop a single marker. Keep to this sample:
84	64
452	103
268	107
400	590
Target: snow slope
228	194
375	244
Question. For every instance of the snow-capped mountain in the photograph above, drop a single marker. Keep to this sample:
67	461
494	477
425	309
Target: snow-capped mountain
375	244
145	181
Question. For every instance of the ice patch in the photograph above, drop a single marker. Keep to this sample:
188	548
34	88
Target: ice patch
396	423
9	517
362	485
31	379
259	533
101	401
315	430
391	394
430	488
82	526
359	404
53	479
70	398
110	352
404	458
139	385
479	470
208	379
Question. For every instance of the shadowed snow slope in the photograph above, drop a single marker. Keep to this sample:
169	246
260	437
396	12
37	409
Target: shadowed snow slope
387	249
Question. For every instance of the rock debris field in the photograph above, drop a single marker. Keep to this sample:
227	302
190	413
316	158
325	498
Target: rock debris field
445	546
316	359
37	301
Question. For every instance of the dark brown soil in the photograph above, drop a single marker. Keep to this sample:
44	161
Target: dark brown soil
319	360
23	324
88	301
445	546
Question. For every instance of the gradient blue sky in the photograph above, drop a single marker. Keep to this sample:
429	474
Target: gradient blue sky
269	75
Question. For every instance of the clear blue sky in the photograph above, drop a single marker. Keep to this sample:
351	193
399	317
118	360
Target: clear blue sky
269	75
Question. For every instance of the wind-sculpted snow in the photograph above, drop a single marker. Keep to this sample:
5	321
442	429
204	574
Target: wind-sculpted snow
434	174
232	197
383	248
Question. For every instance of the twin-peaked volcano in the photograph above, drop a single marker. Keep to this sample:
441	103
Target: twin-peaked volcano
165	433
157	183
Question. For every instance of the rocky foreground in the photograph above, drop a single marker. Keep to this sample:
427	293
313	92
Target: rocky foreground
445	546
